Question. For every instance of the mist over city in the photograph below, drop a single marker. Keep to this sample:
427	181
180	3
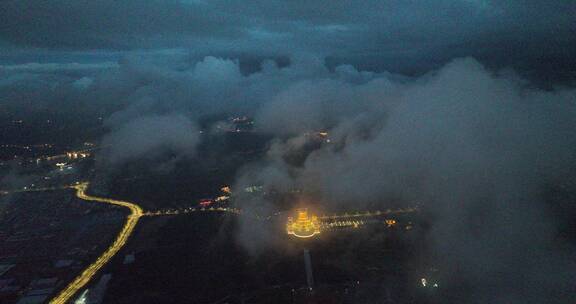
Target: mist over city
191	151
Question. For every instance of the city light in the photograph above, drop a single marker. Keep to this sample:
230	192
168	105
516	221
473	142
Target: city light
205	202
221	198
76	155
226	189
390	222
81	280
304	226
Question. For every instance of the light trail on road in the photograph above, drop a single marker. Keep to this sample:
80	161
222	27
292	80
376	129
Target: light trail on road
192	210
136	212
131	221
365	214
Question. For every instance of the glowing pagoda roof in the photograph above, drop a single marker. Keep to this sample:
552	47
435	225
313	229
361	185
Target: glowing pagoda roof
304	226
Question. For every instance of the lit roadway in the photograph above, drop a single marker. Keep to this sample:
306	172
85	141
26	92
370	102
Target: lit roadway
136	213
81	280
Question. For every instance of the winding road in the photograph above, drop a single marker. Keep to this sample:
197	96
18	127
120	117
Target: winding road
131	221
136	213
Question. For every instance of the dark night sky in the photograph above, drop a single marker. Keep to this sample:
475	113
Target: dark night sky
403	36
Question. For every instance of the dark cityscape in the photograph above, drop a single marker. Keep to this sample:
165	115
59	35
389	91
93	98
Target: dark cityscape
213	152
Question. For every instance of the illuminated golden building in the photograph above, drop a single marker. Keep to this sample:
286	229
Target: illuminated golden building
390	222
304	226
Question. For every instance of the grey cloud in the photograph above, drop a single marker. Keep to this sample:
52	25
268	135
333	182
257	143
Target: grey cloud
471	144
378	35
473	147
148	137
56	67
108	24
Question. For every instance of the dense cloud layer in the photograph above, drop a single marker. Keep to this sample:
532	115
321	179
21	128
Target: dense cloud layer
408	36
149	136
400	24
472	145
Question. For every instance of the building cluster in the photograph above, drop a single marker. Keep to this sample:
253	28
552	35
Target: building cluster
237	124
303	226
22	152
76	155
241	124
222	198
46	238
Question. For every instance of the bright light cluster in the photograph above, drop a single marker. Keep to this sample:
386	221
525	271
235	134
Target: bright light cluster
304	226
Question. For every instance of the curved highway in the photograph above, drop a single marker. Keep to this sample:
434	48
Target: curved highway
81	280
136	213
